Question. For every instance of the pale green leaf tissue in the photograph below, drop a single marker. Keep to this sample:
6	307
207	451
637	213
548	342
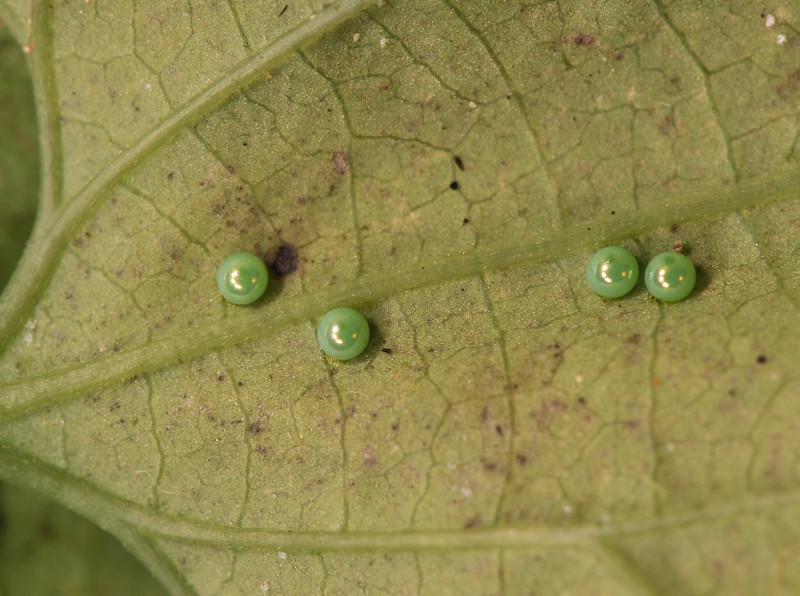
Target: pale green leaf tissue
448	168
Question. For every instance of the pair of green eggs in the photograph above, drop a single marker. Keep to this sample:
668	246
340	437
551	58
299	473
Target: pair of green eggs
614	271
242	279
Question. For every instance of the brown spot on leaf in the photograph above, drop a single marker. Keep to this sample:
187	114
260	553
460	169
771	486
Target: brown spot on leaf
340	165
545	415
583	39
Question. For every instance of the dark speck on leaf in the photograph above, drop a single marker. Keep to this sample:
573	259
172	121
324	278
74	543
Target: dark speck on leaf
283	10
761	359
583	39
386	350
674	228
285	261
522	459
466	221
459	163
454	185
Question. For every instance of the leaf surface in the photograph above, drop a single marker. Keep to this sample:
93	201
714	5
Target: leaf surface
448	168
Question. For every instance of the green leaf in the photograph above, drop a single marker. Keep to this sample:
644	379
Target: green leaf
78	557
19	162
447	168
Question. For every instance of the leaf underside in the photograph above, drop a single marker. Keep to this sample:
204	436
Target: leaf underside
448	168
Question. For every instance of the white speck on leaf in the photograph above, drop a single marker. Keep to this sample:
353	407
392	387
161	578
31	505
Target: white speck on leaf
669	447
467	492
473	105
567	509
579	379
383	41
281	555
148	86
356	37
264	587
28	338
769	20
780	39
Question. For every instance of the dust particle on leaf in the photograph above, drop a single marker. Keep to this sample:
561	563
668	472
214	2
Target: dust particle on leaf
454	185
340	165
761	359
583	39
459	163
285	260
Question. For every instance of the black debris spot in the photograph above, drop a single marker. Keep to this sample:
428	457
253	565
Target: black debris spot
678	246
499	430
522	459
255	427
283	10
583	39
675	228
220	378
454	185
386	350
459	163
635	338
582	401
613	213
761	359
285	261
395	426
465	221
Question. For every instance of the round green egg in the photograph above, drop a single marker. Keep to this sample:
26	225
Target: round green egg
343	333
670	276
612	272
242	278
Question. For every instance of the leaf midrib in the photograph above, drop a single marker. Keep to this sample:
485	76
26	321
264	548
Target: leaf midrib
28	395
50	238
112	511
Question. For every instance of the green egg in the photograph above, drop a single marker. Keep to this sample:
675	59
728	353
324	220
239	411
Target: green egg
343	333
612	272
242	278
670	276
